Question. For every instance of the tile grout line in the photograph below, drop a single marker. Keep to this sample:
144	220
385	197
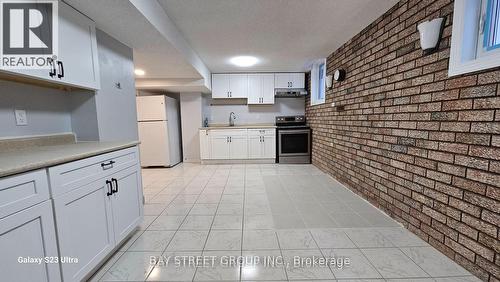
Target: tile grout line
163	252
213	220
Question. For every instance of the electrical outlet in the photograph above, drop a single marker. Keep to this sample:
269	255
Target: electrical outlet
21	118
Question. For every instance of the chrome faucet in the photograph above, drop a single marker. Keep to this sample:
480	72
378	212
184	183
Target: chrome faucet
232	117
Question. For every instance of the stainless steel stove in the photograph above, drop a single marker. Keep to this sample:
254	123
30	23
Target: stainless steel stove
293	140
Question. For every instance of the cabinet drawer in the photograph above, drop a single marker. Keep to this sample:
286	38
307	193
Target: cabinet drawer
22	191
66	177
260	132
228	132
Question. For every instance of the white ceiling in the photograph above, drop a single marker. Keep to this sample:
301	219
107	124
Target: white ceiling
286	35
152	52
170	36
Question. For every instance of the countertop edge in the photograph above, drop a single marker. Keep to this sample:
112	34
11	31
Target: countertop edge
65	159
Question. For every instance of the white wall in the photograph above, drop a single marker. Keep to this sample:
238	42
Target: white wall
217	111
191	120
115	107
48	109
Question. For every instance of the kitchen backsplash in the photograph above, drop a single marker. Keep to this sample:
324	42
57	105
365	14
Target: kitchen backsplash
217	111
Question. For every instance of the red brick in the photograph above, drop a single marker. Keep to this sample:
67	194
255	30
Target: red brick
485	152
479	225
472	162
476	115
457	105
479	91
489	77
461	82
485	127
482	201
476	247
487	103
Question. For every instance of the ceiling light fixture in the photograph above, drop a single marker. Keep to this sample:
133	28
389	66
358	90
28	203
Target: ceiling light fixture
139	72
244	61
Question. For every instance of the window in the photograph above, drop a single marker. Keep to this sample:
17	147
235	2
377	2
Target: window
475	41
318	76
492	25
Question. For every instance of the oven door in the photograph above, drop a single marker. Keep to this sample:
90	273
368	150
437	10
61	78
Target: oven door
294	145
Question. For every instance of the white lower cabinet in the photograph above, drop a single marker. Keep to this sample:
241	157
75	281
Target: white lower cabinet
95	211
27	229
92	205
204	145
84	227
238	147
126	202
237	144
29	233
220	147
261	144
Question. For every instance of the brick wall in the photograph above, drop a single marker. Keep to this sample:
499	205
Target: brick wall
423	147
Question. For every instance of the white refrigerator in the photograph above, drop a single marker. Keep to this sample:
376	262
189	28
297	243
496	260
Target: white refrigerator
159	130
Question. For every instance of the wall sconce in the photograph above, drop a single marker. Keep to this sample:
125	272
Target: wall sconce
430	34
329	81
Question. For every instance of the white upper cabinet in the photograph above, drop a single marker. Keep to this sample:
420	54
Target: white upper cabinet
220	86
261	88
289	80
238	86
229	85
77	63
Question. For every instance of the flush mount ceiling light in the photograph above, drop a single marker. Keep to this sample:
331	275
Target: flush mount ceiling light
139	72
244	61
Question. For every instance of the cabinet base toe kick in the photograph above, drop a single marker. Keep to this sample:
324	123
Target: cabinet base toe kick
242	161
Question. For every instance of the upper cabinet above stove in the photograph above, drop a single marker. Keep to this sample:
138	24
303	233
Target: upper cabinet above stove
77	63
295	80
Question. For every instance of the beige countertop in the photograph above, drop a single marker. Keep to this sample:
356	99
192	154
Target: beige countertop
26	159
239	126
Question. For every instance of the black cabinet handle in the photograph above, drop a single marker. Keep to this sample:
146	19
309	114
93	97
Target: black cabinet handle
107	165
61	69
60	66
115	190
52	71
109	184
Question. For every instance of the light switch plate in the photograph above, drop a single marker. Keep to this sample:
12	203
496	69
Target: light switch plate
21	118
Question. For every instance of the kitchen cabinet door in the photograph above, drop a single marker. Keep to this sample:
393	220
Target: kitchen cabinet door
77	49
238	147
297	80
220	85
255	147
282	80
85	228
204	145
29	233
269	147
219	147
238	86
268	88
289	80
255	84
127	202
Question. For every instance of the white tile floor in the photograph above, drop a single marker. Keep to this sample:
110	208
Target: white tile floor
268	211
